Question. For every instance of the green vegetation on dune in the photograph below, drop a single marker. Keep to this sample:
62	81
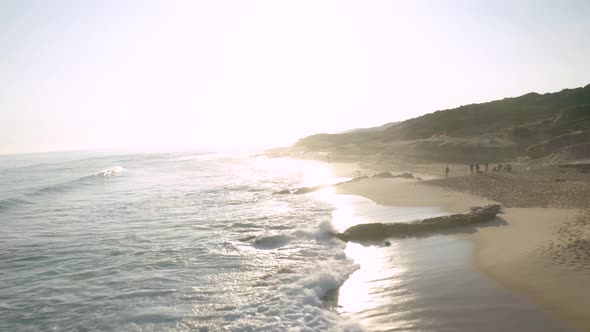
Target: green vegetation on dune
532	125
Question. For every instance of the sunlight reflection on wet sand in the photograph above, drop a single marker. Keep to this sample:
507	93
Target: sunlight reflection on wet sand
425	284
428	284
350	210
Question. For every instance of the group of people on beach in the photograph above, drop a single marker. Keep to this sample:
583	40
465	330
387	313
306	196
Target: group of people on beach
506	167
475	167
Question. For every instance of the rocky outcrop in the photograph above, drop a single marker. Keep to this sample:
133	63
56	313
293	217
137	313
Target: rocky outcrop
282	192
389	175
350	181
380	231
305	190
383	175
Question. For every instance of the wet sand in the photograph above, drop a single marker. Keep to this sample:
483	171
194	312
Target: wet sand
399	192
541	253
531	255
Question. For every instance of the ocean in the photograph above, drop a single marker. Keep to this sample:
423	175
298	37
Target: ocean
198	241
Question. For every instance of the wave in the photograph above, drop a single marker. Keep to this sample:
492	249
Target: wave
25	199
13	202
81	181
321	232
272	241
305	287
300	293
246	225
110	172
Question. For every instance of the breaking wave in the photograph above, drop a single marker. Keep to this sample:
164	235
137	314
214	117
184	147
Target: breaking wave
28	197
110	172
299	291
297	301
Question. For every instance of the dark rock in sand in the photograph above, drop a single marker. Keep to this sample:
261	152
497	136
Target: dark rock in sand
404	176
358	178
282	192
353	180
382	175
305	190
380	231
389	175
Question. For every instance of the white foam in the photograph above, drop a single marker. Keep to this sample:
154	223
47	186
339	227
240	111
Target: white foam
309	265
110	172
297	302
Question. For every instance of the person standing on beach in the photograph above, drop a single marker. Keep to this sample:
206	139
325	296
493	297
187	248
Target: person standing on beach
477	167
471	168
486	167
447	171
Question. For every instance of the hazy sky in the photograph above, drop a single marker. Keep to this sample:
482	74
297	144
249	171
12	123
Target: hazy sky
106	74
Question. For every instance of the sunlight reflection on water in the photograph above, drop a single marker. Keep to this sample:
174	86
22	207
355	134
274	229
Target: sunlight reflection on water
360	295
350	210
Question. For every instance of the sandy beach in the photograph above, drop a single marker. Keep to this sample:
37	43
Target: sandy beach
540	247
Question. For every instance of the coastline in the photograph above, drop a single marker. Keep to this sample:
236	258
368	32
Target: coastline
527	253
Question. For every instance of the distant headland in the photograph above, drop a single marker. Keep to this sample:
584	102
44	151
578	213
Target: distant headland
549	128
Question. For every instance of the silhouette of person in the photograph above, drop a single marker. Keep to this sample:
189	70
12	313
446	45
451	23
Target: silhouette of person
471	168
477	167
486	167
447	171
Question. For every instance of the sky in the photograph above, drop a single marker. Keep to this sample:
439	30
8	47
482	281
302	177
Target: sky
81	74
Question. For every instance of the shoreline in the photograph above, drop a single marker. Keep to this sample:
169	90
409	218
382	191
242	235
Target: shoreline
527	253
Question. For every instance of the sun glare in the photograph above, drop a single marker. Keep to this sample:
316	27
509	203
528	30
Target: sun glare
357	294
315	174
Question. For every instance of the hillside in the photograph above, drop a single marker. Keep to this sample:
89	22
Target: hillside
371	129
554	126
